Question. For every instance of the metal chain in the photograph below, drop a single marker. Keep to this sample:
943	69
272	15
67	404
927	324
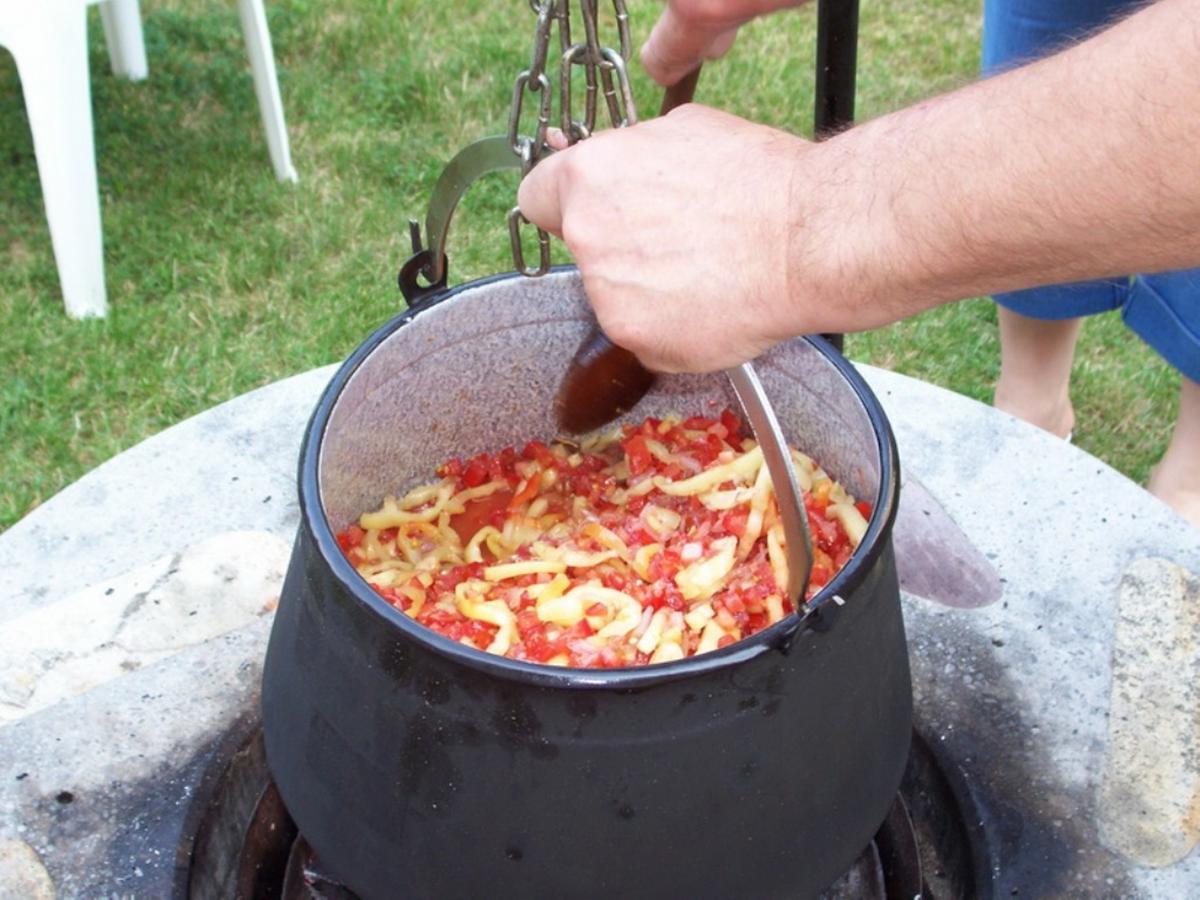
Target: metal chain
605	71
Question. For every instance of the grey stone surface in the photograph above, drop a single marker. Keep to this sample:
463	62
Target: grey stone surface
232	468
100	783
1016	693
22	875
1149	797
117	626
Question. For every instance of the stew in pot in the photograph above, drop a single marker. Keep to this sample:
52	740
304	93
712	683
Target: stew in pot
648	544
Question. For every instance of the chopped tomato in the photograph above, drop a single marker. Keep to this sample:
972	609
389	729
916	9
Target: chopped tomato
537	451
733	425
451	469
350	538
637	454
734	521
476	472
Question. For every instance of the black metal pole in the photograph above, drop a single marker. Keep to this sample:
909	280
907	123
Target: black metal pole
837	62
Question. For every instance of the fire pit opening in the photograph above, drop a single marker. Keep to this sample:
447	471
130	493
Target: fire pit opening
247	846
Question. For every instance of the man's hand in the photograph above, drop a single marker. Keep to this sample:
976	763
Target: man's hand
703	239
680	227
691	31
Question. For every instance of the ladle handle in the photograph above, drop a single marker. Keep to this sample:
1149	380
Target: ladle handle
778	459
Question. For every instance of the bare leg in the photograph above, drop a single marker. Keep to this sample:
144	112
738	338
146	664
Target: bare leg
1035	370
1176	479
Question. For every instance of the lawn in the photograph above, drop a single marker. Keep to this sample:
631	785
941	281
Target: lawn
221	280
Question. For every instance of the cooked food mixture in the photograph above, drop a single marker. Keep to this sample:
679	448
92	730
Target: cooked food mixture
650	544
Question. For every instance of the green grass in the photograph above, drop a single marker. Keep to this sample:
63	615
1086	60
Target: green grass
221	280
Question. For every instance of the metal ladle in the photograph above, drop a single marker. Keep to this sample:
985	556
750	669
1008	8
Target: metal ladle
778	460
603	381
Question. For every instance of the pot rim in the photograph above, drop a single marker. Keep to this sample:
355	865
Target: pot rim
778	637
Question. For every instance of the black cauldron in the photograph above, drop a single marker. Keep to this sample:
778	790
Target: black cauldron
419	768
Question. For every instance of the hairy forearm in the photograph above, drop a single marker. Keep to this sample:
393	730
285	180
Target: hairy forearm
1086	164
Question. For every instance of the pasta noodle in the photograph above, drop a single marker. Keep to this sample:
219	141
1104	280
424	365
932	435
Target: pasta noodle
648	544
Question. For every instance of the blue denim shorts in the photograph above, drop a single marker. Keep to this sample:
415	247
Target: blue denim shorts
1163	309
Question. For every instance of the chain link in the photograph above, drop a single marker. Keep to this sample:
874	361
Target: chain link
526	85
605	71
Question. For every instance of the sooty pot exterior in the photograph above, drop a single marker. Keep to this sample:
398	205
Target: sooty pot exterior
417	767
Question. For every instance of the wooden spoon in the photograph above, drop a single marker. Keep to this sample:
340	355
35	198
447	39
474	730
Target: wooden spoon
605	381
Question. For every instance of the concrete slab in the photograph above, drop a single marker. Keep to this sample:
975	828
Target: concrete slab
1016	694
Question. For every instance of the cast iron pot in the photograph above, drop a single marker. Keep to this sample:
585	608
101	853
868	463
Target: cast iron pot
419	768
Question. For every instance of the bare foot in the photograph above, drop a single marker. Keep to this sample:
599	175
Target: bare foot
1053	414
1176	479
1184	501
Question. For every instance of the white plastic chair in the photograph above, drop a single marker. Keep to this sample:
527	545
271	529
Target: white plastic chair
48	41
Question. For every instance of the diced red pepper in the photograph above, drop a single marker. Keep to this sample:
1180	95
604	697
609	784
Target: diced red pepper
350	538
637	454
451	468
733	425
528	492
476	472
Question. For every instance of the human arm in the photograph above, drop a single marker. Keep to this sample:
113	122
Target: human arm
703	239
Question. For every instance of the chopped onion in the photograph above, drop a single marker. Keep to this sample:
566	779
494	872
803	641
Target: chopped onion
667	652
852	520
744	468
660	521
711	638
702	579
525	567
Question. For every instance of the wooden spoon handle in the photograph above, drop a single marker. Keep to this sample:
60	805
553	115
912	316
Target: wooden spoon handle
680	92
605	381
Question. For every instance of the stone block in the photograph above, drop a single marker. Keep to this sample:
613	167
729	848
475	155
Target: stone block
1148	800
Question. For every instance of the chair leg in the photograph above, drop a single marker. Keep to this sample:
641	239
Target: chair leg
52	61
122	22
266	85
